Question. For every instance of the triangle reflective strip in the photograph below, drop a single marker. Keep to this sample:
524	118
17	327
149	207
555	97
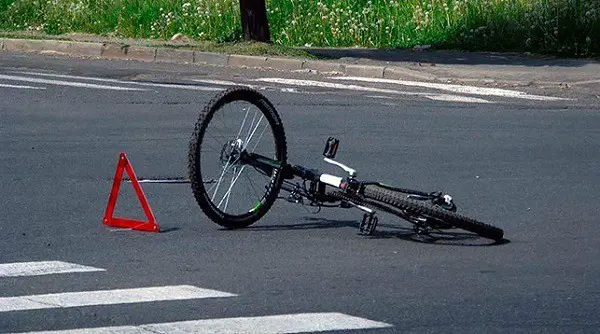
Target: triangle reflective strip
109	220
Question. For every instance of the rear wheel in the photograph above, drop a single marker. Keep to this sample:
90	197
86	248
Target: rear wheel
235	123
421	209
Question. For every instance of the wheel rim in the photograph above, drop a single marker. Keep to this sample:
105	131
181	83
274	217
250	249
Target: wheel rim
233	188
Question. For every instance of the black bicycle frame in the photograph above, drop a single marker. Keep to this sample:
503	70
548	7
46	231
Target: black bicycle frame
316	189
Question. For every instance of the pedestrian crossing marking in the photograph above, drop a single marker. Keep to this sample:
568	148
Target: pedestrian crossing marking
42	268
286	323
108	297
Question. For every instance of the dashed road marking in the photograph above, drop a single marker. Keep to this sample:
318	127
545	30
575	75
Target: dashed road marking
107	297
457	88
42	268
286	323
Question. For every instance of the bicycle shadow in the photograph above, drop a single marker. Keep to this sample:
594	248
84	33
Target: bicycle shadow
388	231
315	223
442	238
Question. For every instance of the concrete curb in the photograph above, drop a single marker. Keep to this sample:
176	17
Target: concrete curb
159	54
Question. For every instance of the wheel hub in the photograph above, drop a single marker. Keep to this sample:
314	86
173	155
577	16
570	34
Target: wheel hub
231	152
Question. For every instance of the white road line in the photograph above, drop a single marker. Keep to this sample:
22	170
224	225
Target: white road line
216	82
380	97
286	323
456	98
67	83
231	83
457	88
107	297
188	87
42	268
297	82
20	87
139	83
440	97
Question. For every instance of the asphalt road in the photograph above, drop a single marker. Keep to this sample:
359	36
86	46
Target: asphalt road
529	167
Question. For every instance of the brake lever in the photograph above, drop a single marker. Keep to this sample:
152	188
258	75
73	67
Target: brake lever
350	171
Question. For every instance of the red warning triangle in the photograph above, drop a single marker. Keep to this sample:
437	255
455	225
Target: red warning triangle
150	225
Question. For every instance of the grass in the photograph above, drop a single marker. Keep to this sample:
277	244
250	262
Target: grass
561	27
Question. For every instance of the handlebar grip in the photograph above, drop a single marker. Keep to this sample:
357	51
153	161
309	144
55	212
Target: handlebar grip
332	180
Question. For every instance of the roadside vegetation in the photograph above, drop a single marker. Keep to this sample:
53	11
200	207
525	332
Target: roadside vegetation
560	27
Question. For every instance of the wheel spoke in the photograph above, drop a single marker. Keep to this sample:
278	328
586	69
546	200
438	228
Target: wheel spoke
251	125
233	181
243	122
253	131
229	192
218	182
259	138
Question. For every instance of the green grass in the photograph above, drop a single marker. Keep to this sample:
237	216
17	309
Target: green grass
563	27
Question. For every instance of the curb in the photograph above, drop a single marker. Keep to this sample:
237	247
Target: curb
154	54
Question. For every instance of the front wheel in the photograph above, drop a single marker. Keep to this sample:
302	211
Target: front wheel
234	124
421	209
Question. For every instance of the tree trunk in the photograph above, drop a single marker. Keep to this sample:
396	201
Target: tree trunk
255	25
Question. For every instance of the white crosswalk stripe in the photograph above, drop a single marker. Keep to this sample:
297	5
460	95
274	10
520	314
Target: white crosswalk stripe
287	323
42	268
281	323
107	297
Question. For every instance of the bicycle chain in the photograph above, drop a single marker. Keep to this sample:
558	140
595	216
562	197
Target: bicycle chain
354	198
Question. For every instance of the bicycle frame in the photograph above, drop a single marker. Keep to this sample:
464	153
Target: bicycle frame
316	191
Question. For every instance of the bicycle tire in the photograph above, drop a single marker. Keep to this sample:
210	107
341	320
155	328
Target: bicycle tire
400	201
233	95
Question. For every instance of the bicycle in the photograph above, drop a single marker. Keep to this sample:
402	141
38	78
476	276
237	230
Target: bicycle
231	150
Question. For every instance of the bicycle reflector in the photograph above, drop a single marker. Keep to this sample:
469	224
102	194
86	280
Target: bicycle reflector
331	147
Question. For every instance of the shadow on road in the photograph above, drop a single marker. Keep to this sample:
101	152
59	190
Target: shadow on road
314	223
387	231
445	238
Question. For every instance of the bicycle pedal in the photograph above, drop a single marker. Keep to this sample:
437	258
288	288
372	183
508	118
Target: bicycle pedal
368	225
331	147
